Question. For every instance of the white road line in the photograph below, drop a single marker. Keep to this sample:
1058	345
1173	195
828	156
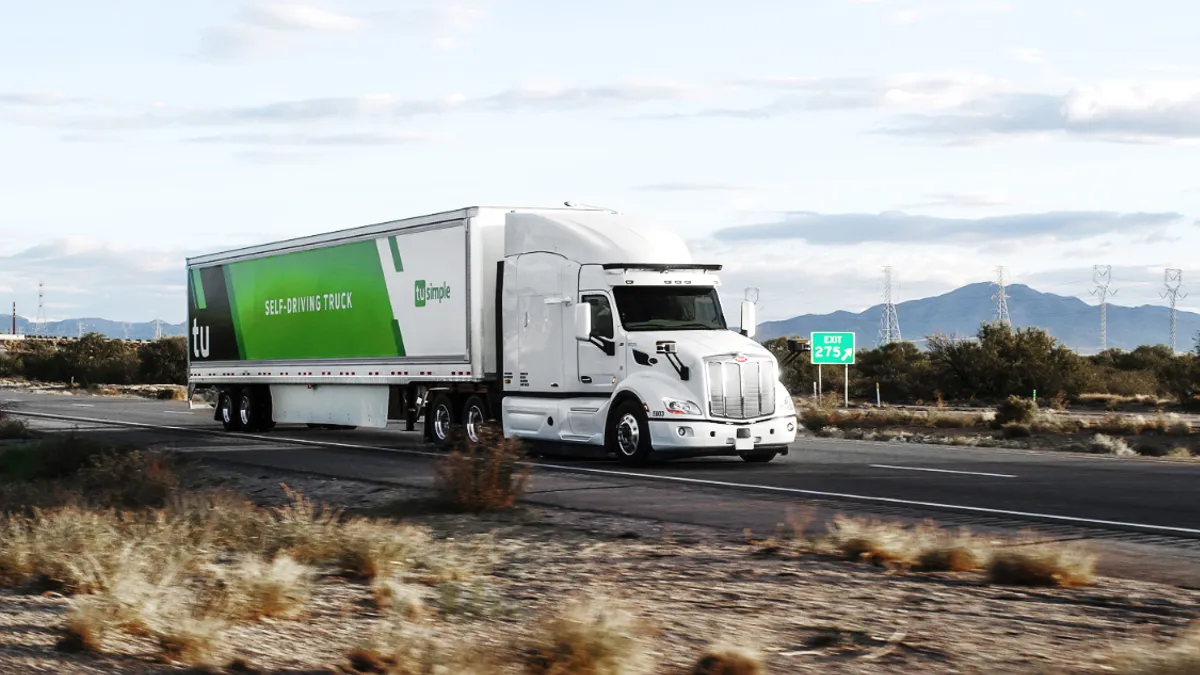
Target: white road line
921	468
630	474
83	405
175	412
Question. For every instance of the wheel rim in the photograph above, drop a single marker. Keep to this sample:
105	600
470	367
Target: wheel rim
629	434
226	412
441	422
474	423
245	411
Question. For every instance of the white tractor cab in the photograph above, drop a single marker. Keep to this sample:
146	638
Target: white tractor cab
614	337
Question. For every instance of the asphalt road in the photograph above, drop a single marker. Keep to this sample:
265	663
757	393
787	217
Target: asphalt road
1143	493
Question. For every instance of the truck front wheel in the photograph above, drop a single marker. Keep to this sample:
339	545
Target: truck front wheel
629	434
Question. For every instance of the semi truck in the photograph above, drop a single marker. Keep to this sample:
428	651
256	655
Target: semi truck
572	327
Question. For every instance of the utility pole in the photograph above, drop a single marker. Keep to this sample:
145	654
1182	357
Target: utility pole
40	321
1001	298
1173	280
80	327
158	329
889	325
14	318
1102	276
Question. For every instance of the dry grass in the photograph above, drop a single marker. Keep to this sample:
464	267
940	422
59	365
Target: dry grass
730	660
403	600
195	641
1180	453
923	547
483	476
1042	565
589	638
1181	657
1177	426
255	589
1121	425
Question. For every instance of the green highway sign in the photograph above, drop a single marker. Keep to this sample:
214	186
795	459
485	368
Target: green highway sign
832	349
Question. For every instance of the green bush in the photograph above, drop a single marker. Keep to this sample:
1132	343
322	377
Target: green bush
1017	430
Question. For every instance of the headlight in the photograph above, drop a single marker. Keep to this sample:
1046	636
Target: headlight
788	404
678	407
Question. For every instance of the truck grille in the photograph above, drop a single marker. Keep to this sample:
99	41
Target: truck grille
741	390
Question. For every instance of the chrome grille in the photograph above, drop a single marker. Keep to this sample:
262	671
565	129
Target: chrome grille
741	390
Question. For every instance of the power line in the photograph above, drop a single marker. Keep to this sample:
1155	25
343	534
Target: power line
1173	280
889	325
1102	277
1001	298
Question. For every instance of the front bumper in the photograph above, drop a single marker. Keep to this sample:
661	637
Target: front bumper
722	438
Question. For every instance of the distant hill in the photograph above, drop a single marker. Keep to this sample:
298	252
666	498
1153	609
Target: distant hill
1071	320
112	329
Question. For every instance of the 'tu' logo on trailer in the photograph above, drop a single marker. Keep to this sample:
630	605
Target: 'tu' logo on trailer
201	340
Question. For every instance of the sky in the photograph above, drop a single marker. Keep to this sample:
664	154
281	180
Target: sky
803	144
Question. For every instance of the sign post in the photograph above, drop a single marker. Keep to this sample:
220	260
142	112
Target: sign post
834	349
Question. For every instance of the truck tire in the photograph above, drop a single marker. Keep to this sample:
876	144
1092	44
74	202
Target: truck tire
475	418
227	410
761	457
251	412
629	434
441	420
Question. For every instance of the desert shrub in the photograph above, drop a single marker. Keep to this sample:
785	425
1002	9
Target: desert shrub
53	458
729	660
1146	657
1122	425
254	589
1151	450
1016	409
816	419
485	476
589	638
163	361
1016	430
1042	565
1107	445
901	370
1002	362
1180	453
13	428
134	479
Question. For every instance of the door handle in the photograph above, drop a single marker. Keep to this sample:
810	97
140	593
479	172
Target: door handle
585	379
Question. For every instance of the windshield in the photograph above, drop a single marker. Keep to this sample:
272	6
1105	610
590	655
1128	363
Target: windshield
669	308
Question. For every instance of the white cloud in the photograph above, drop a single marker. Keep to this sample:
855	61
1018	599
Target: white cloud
696	186
906	16
1165	112
1029	55
959	200
265	28
347	139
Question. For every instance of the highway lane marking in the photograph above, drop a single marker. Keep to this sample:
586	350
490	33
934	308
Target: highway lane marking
83	405
175	412
921	468
631	474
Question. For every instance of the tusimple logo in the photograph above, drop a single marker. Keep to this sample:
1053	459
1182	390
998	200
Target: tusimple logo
424	293
200	340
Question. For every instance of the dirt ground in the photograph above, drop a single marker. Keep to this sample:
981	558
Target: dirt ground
690	587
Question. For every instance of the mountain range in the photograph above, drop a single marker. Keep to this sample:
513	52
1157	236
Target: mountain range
961	311
72	328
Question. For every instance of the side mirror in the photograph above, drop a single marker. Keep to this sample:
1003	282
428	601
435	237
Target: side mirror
583	321
749	322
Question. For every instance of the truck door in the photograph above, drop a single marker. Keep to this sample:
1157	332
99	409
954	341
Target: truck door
598	369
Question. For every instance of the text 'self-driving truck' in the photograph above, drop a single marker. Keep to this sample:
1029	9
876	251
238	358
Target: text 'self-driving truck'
568	325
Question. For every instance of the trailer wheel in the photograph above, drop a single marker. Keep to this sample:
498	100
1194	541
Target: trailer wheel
441	420
250	411
475	418
629	433
227	410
